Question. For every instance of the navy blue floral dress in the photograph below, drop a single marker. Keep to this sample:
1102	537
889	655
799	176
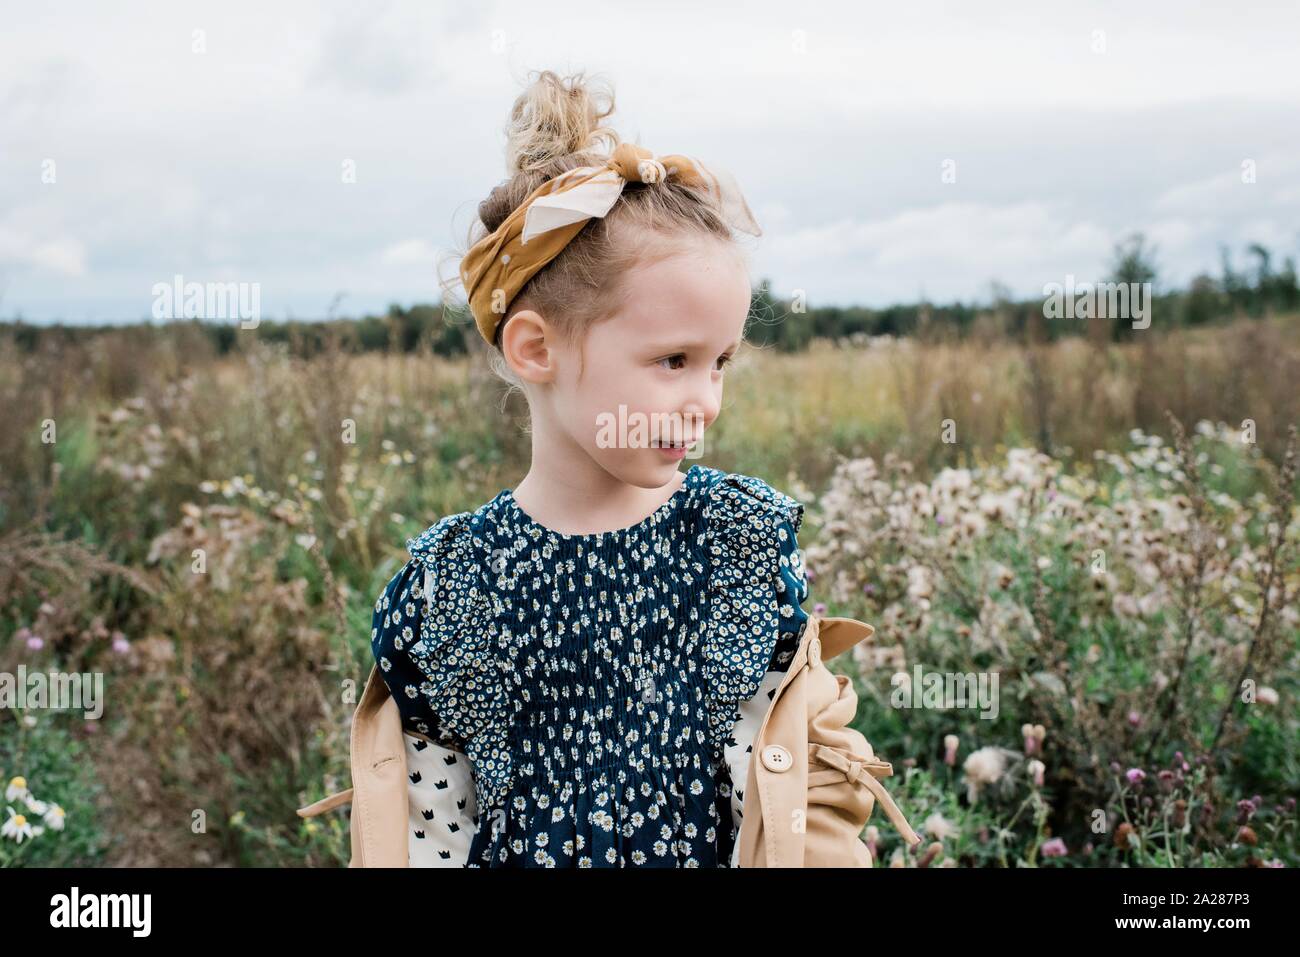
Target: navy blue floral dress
593	680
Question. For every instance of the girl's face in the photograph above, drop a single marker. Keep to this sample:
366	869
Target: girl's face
649	376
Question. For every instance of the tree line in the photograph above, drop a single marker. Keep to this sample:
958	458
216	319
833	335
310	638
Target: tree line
1255	288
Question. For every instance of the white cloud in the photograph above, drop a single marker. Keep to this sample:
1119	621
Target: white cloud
60	256
950	250
64	256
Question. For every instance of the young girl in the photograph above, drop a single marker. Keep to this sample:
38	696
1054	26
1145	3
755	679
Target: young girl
581	663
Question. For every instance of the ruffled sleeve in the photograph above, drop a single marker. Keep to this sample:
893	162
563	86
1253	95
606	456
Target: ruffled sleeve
432	641
757	585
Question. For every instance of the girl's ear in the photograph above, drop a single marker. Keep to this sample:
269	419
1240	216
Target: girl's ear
528	345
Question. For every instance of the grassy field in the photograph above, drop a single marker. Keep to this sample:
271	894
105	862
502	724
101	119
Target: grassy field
210	533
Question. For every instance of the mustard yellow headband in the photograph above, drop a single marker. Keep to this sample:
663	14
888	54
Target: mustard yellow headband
499	264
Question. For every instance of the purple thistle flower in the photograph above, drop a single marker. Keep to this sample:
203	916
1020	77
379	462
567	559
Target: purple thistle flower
1245	810
1135	775
1054	848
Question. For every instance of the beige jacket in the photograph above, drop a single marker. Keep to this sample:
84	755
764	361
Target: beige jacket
811	779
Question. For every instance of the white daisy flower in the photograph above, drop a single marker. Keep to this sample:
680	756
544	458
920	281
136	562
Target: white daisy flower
17	789
16	827
54	817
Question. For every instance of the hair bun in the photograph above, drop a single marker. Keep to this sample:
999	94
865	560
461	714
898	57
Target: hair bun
558	116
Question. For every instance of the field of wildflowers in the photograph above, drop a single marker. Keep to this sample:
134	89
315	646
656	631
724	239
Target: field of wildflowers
1140	619
1114	587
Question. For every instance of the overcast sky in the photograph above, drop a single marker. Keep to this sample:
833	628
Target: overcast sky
1068	129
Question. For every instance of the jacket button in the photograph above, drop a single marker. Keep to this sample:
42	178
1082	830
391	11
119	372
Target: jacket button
776	758
814	652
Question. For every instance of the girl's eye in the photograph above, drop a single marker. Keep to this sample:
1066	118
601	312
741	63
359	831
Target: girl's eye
722	360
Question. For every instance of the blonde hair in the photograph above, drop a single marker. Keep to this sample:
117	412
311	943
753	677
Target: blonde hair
558	124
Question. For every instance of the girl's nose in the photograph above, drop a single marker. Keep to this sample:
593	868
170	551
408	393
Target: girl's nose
702	411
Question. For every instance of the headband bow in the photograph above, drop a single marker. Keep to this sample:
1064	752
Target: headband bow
499	264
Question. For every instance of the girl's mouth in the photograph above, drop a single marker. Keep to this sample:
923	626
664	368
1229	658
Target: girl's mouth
673	450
